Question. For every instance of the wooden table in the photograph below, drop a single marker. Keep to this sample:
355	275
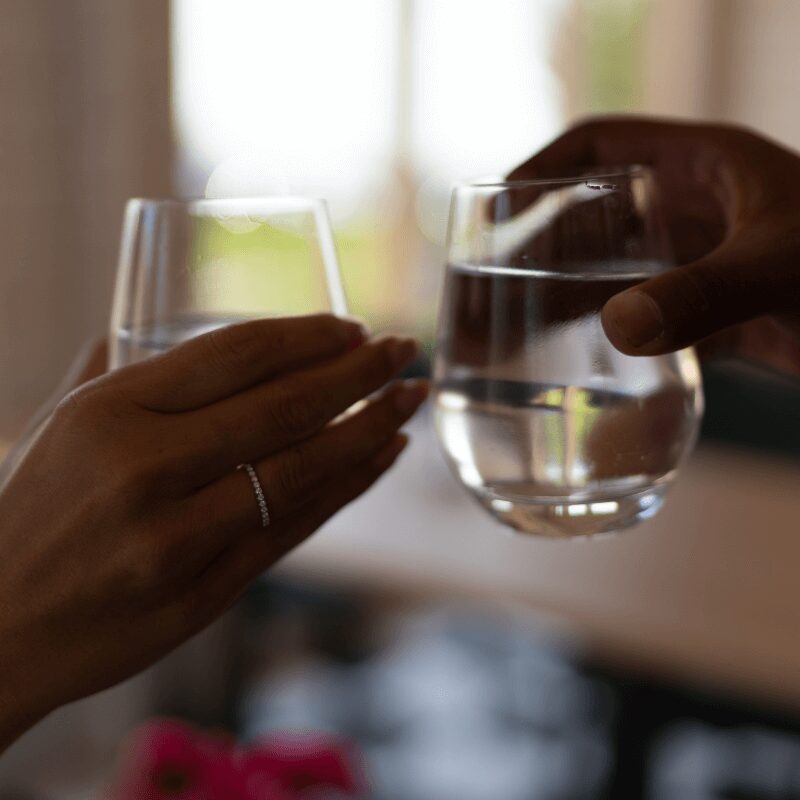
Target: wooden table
707	592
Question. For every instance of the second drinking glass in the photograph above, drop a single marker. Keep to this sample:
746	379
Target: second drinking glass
549	427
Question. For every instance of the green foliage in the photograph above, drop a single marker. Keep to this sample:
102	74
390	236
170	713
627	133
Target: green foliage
268	269
613	54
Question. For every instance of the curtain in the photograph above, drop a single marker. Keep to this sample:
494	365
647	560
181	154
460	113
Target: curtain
727	60
84	93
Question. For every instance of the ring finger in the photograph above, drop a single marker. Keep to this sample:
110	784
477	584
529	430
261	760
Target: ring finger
289	478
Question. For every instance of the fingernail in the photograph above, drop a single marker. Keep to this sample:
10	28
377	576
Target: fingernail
402	352
386	457
635	317
410	396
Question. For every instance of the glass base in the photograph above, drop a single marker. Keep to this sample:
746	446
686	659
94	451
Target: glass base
559	517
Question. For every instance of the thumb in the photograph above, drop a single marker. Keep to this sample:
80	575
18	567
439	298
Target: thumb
735	282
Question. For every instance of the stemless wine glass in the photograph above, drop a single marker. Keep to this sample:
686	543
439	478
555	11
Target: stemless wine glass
549	427
189	266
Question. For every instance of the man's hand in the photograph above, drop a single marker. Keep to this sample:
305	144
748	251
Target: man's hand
732	202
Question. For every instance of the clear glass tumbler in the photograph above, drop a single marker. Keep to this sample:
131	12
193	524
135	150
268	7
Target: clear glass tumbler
188	266
547	425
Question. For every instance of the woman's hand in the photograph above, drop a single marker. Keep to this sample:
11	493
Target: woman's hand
127	527
732	202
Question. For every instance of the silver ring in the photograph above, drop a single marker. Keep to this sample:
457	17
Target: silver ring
259	493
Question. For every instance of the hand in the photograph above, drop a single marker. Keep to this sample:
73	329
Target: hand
131	528
732	202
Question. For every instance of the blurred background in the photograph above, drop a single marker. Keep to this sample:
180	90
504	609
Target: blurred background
664	663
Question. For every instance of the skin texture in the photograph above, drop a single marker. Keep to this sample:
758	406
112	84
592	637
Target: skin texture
130	525
732	204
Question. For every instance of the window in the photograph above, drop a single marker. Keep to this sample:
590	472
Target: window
377	105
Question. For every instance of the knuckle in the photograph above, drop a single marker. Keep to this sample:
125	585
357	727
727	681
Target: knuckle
78	406
100	408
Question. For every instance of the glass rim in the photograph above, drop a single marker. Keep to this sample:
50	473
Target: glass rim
610	173
576	276
278	203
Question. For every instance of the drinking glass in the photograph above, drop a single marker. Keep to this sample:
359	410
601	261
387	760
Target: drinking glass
189	266
546	424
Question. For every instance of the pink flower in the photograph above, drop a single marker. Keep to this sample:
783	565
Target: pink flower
168	760
299	763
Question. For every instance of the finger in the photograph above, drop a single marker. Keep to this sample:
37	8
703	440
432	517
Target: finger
272	416
228	360
245	560
738	281
475	309
573	149
692	164
612	141
290	479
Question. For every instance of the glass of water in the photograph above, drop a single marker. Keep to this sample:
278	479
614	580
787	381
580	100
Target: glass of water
189	266
546	424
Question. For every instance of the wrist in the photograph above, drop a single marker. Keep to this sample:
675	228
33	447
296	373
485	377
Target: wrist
21	703
14	722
